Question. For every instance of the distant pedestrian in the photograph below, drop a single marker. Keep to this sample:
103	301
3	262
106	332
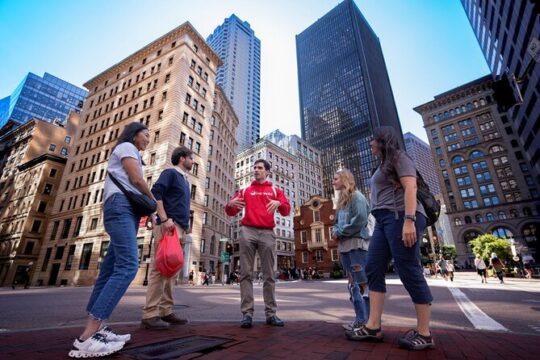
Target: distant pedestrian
481	268
260	200
497	267
351	233
206	279
400	223
450	269
443	265
191	275
121	263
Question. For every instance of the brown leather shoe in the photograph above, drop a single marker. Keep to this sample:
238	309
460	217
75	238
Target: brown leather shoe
174	320
154	323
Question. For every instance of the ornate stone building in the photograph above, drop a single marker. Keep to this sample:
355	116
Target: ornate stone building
314	247
32	161
485	179
169	85
219	183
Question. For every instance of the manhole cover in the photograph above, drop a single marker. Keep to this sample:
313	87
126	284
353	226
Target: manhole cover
174	348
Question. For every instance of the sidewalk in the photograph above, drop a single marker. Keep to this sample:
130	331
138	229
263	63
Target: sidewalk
297	340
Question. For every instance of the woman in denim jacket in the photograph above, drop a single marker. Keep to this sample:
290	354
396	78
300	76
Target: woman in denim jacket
351	234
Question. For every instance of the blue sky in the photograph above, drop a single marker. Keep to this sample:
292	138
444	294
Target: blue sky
428	45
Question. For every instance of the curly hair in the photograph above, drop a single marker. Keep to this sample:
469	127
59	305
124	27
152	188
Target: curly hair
389	146
345	195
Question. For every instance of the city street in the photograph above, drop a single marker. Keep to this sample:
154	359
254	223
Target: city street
463	304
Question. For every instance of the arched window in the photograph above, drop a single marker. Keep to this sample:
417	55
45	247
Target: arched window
457	221
457	159
458	110
482	102
452	113
490	216
476	154
475	103
495	149
513	213
463	108
446	115
442	163
478	218
502	215
469	106
468	220
435	118
470	235
503	233
527	211
531	233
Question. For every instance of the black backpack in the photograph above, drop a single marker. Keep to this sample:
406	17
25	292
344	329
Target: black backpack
428	201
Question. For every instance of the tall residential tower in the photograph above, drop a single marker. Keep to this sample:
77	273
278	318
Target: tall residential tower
240	75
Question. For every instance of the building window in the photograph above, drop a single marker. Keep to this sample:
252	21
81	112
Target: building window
93	223
36	225
52	147
29	248
193	192
67	139
318	236
56	224
71	255
316	215
59	253
65	229
85	256
203	245
335	256
52	173
46	259
47	189
303	237
305	257
64	151
42	206
319	256
78	224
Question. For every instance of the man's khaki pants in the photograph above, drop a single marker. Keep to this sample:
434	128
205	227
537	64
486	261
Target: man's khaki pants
159	300
252	239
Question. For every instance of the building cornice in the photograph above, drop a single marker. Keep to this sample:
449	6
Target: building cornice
185	28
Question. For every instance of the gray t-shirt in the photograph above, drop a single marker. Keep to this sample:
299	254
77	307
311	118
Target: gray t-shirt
383	192
115	167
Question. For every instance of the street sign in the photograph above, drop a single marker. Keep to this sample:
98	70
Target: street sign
225	257
534	49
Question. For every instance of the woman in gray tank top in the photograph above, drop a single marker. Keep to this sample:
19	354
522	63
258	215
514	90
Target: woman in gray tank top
400	223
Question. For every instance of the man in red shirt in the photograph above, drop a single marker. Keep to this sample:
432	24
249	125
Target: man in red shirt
259	200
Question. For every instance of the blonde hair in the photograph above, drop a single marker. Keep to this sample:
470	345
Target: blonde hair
345	195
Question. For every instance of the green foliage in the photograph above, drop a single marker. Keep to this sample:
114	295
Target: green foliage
337	271
449	252
486	244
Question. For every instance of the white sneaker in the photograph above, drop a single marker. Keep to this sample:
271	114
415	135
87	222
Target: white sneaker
112	336
94	346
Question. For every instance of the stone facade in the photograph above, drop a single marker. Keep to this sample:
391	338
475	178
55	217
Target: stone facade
169	85
32	161
487	185
219	185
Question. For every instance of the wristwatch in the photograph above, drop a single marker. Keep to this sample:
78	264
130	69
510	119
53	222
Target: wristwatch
410	217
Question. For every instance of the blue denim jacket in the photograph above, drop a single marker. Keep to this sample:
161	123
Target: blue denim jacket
351	222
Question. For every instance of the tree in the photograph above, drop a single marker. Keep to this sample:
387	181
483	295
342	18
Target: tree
449	252
486	244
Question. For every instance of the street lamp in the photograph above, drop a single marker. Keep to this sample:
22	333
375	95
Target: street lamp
148	260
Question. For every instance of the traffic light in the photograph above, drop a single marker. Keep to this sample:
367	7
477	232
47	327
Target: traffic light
229	248
507	92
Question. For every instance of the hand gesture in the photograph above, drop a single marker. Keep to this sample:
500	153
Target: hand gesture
409	233
238	203
272	206
150	222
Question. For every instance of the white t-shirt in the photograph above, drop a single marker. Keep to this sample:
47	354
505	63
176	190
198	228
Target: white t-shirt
480	264
115	167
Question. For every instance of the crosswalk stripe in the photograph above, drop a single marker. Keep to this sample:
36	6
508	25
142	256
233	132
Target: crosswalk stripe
479	319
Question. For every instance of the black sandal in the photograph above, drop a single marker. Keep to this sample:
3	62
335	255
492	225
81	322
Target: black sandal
364	333
412	340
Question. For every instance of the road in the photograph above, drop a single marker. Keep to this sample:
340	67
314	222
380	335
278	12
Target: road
464	303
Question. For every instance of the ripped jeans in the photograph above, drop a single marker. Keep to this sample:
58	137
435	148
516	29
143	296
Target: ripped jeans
353	263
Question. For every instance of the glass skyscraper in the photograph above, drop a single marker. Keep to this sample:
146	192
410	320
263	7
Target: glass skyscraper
240	75
46	97
504	30
345	92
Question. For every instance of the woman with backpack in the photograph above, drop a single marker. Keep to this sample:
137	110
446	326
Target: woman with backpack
400	223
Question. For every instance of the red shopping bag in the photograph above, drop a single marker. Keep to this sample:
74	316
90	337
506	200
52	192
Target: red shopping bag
170	256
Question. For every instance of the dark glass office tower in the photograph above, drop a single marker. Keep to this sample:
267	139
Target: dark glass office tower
47	98
344	91
504	30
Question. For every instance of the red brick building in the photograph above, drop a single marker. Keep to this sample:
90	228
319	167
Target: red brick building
314	246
